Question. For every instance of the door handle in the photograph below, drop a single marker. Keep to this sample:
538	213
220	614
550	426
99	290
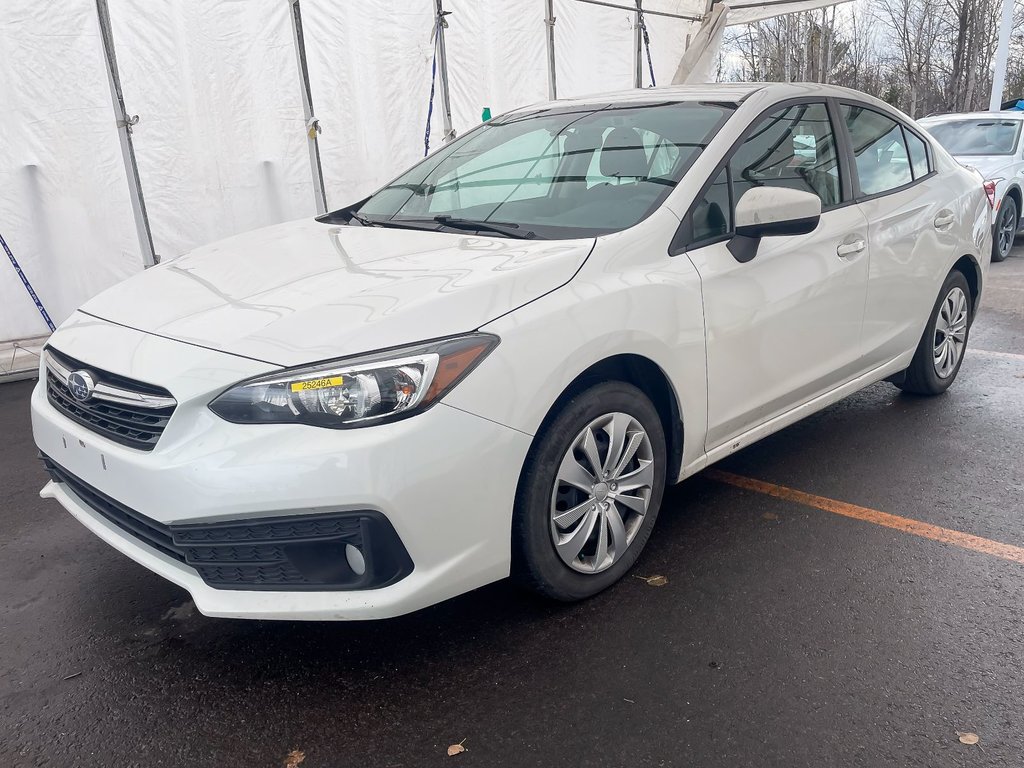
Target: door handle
849	249
941	222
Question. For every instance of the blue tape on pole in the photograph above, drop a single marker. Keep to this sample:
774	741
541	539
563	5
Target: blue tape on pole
647	43
430	104
28	286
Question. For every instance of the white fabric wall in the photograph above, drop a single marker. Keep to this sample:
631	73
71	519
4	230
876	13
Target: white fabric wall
221	144
64	207
370	73
497	57
369	70
668	43
601	37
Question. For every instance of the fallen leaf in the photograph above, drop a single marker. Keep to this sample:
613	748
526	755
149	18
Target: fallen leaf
653	581
456	749
770	516
295	757
968	738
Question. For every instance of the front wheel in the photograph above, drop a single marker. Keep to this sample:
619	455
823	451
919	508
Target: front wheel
1006	229
941	349
590	493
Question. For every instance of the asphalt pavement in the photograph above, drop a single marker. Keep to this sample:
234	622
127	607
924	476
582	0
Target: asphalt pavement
791	631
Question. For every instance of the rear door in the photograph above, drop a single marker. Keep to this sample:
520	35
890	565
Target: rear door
911	229
786	326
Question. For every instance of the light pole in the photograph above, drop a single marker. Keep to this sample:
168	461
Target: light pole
1002	54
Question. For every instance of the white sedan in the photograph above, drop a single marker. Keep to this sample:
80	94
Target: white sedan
496	363
991	143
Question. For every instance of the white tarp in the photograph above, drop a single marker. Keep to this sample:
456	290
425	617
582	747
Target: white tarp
221	144
696	65
369	71
740	11
221	141
64	207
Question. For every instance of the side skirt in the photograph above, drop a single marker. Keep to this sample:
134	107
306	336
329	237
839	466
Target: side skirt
751	436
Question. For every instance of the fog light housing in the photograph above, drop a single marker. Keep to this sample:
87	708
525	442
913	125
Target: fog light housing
330	551
355	560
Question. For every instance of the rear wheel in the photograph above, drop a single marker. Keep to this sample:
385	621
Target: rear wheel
1006	229
941	349
590	493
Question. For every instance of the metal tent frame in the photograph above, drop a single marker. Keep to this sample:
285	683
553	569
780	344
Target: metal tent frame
740	12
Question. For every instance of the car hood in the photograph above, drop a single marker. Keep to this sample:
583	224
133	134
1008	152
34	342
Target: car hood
990	166
305	291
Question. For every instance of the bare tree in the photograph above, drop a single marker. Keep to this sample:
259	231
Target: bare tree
796	47
914	25
923	56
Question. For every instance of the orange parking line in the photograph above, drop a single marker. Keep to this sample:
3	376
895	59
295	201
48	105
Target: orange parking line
905	524
993	353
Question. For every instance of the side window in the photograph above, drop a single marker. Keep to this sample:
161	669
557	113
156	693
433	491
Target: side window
795	148
712	214
878	149
918	154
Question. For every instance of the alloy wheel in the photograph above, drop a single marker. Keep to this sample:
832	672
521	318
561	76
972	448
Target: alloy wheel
602	492
950	333
1007	229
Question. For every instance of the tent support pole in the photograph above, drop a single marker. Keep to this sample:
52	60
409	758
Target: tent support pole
549	20
442	71
1002	53
312	124
666	14
124	130
638	49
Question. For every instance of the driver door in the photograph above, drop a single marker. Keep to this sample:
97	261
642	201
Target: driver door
784	327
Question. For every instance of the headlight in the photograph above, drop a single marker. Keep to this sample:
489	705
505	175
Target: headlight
358	391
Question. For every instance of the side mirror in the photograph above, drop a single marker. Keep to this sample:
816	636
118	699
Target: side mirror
772	211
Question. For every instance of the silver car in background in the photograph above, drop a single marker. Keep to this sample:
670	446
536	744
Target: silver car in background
991	143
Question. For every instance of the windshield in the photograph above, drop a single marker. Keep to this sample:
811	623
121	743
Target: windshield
986	136
556	173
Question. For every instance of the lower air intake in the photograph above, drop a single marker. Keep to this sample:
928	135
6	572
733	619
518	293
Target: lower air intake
290	553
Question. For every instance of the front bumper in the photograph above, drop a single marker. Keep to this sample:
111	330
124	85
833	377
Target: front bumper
444	480
320	551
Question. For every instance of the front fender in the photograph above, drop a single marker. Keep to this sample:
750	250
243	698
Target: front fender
616	305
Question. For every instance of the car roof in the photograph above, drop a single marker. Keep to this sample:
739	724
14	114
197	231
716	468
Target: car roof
730	92
997	115
707	92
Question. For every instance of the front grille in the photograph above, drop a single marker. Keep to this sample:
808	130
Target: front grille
138	425
300	552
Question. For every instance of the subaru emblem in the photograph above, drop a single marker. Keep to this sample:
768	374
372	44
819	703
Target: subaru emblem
81	384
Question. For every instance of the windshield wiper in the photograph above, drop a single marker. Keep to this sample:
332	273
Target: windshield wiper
366	221
363	219
506	228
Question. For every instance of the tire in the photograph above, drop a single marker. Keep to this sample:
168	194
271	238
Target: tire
1005	229
930	373
586	512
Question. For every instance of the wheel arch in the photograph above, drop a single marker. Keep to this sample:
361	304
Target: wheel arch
1015	193
649	378
969	267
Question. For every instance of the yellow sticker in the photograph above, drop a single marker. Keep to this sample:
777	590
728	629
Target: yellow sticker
305	386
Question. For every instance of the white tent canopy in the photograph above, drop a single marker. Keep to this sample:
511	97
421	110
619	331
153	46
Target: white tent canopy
222	141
